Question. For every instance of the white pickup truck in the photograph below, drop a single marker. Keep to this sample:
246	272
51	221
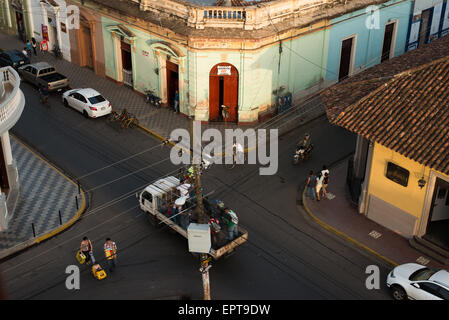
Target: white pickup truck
154	200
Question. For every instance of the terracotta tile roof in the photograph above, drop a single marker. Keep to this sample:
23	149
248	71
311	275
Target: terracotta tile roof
409	114
345	93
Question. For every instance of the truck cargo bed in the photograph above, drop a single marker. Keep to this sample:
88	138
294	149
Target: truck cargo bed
215	253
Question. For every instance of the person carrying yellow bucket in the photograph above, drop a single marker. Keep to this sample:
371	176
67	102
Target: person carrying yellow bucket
110	252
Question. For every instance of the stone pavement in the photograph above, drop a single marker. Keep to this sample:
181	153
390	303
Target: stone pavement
44	193
158	121
338	215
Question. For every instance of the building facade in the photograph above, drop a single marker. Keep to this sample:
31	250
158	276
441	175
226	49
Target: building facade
233	60
364	38
429	21
249	59
399	176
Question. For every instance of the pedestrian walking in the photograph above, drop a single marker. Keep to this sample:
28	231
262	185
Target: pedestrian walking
325	183
325	172
29	48
25	52
238	153
319	185
110	251
44	46
177	101
34	45
231	219
311	185
86	248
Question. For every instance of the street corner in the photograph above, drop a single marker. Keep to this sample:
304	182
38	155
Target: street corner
41	211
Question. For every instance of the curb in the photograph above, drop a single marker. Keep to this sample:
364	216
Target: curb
246	150
52	233
341	234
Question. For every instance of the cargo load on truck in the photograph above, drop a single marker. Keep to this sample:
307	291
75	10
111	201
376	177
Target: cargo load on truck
172	202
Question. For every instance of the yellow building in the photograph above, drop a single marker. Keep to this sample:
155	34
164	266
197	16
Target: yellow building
400	112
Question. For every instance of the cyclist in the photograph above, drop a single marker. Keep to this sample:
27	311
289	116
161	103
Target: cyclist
237	152
43	92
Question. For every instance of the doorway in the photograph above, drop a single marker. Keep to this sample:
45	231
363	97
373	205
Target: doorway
87	56
223	91
388	42
346	58
52	33
127	64
172	82
424	29
20	26
437	230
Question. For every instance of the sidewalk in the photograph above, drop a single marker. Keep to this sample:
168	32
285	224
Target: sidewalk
44	192
338	215
159	122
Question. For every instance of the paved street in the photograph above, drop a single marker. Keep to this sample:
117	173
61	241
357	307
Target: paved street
286	257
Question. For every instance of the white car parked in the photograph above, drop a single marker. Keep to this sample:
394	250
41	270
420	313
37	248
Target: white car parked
418	282
87	101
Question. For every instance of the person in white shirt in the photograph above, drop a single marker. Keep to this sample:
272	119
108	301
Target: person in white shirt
319	185
325	172
238	152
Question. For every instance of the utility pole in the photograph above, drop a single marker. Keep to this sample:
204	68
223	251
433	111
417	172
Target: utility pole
202	219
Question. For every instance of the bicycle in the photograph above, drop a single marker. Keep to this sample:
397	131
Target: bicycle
43	97
57	52
234	160
113	116
129	122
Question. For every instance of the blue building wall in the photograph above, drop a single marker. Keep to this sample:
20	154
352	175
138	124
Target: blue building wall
368	27
438	24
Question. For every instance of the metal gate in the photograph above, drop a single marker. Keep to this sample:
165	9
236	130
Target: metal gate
128	77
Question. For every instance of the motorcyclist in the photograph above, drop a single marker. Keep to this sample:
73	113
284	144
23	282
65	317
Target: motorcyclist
305	143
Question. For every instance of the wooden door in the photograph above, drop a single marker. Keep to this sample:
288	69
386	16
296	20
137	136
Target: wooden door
86	43
172	82
223	89
230	96
424	29
214	96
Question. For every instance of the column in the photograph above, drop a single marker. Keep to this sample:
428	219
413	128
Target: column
6	145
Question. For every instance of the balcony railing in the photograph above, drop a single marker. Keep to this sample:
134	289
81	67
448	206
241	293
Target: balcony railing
255	15
12	100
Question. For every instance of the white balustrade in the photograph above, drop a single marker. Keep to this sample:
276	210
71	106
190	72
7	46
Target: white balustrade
12	101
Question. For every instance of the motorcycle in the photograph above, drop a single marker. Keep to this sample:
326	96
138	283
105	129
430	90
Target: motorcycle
57	51
302	154
153	99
